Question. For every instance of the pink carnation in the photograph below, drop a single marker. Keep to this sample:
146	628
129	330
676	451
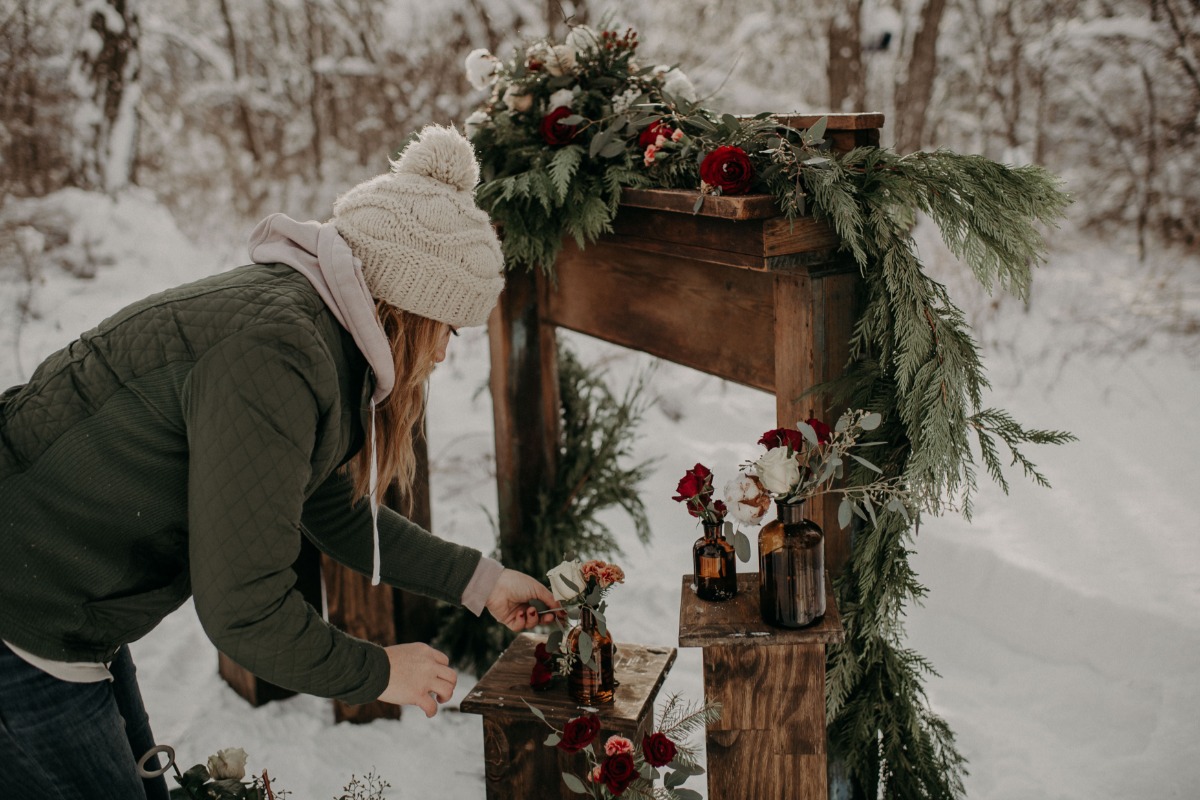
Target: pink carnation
617	744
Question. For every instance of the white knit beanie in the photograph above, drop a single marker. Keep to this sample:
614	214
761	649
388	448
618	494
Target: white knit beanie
425	246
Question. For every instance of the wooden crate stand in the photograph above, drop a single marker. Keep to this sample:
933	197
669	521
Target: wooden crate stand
517	763
735	291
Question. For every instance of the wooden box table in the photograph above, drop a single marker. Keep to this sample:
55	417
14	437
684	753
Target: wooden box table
770	741
517	763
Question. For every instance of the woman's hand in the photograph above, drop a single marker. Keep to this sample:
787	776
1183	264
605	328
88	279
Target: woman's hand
510	599
420	676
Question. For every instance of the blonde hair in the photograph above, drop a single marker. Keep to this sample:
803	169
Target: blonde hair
414	340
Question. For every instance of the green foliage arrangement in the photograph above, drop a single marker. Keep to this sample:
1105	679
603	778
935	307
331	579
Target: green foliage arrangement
597	429
566	126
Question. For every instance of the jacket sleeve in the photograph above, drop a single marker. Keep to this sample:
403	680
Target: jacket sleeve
252	406
411	557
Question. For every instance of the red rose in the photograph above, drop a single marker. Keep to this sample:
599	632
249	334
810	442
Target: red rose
579	733
783	437
650	134
658	749
542	675
823	432
695	483
727	168
617	772
719	509
554	132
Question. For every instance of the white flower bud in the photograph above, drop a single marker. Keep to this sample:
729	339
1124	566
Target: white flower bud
228	763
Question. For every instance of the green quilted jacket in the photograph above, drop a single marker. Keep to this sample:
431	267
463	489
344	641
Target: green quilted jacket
182	448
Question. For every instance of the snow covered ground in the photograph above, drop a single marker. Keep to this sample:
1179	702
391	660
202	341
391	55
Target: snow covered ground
1065	622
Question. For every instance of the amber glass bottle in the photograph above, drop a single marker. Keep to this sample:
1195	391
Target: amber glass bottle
586	685
791	568
714	565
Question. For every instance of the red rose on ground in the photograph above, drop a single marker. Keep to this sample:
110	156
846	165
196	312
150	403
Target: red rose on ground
617	772
651	132
554	132
824	434
658	749
783	437
542	675
579	733
727	168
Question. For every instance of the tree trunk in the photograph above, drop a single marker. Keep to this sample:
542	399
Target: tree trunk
104	74
844	71
914	94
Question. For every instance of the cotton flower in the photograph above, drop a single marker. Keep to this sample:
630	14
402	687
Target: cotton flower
582	39
228	763
561	60
748	500
561	99
481	68
517	100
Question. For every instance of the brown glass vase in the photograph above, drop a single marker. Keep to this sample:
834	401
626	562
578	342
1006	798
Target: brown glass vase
587	686
714	566
791	568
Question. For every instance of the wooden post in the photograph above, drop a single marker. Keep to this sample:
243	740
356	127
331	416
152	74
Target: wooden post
770	741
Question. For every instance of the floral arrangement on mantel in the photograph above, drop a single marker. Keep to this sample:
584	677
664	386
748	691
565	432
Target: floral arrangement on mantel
624	768
566	126
576	585
695	491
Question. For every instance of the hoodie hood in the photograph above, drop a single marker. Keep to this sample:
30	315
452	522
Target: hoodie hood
318	252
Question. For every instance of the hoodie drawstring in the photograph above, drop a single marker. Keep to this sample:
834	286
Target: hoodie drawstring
372	492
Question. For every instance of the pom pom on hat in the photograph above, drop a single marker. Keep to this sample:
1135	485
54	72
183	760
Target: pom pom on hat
424	245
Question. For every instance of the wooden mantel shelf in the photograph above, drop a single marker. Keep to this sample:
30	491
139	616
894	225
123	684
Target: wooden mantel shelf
737	622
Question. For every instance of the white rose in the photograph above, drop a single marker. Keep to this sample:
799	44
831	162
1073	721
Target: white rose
471	124
676	83
566	571
582	38
561	60
538	51
481	68
778	471
516	100
747	500
561	99
228	763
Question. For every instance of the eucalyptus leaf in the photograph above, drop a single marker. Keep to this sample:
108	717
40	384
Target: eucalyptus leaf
731	122
574	784
842	423
844	513
573	119
741	546
817	132
858	512
599	141
646	771
537	712
673	779
601	622
807	431
871	421
866	463
699	202
585	647
570	583
612	149
538	605
870	510
552	740
683	793
554	641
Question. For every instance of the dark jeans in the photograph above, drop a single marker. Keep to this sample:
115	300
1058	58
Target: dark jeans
73	741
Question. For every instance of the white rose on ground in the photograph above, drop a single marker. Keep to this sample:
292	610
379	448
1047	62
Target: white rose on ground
777	471
676	83
582	39
747	499
471	123
481	68
561	60
517	100
566	571
561	99
228	763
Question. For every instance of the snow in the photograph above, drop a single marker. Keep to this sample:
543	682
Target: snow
1065	623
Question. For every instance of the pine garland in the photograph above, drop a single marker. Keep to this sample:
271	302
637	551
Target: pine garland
913	358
